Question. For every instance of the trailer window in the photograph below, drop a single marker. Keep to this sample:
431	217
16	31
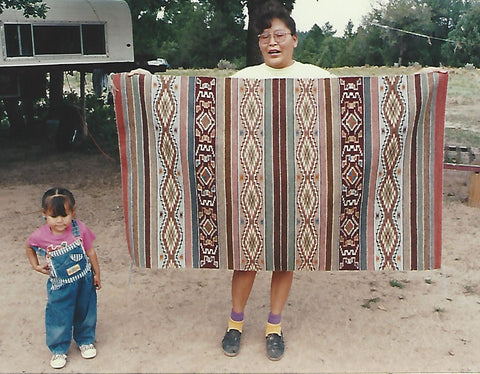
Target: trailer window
18	40
93	37
86	39
57	40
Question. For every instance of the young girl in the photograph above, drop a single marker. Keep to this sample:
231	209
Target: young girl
66	244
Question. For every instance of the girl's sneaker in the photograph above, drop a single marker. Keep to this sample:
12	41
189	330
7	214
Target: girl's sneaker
58	361
88	351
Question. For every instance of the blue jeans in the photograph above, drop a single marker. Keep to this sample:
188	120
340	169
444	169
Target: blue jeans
72	307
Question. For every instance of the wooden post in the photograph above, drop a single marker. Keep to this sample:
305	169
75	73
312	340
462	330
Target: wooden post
82	93
474	190
56	88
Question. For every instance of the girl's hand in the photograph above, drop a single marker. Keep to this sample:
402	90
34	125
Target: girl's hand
97	282
44	269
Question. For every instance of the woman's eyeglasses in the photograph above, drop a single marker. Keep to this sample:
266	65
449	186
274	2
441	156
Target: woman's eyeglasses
279	36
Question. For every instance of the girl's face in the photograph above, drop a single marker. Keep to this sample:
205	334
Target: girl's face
277	50
59	224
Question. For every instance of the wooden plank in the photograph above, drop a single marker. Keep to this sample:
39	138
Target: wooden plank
463	167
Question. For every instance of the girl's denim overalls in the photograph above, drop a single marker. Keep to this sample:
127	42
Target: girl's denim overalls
72	298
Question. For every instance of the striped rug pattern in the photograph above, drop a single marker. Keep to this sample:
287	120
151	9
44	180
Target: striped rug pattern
282	174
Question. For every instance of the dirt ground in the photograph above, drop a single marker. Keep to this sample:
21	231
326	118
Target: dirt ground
154	321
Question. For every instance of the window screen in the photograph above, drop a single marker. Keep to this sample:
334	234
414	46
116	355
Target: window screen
18	40
93	37
55	40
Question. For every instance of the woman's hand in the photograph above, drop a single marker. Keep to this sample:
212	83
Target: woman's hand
138	71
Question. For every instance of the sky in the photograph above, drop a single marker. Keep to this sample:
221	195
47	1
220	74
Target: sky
306	13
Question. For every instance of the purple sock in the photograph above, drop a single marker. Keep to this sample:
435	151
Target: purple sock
237	317
274	319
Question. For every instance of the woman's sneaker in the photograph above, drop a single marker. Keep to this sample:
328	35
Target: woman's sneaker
88	351
58	361
231	342
275	346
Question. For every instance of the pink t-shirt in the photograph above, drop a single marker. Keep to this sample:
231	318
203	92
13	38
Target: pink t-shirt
44	238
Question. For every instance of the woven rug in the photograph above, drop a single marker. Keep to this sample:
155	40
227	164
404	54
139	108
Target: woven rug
282	174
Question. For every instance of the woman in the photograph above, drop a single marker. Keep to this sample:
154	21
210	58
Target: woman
277	40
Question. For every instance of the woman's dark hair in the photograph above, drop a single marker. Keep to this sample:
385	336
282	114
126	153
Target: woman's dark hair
56	199
270	10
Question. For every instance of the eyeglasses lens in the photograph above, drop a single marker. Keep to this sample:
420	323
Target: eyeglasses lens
278	36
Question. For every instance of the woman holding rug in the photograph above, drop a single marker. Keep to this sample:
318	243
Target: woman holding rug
277	40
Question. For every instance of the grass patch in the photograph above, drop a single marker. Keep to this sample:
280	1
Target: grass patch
367	303
463	137
219	73
397	284
468	290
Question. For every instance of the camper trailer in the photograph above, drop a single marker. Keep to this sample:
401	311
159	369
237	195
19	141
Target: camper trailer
75	34
85	36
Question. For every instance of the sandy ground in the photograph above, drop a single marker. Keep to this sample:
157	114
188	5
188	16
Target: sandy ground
173	321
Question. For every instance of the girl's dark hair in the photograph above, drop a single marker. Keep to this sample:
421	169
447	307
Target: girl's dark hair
270	10
56	199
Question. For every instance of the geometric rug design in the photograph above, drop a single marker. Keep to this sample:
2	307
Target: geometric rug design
282	174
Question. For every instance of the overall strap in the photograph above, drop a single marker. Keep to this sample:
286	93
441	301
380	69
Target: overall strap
75	228
40	251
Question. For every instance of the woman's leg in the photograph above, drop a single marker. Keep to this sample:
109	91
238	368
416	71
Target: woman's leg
242	283
279	290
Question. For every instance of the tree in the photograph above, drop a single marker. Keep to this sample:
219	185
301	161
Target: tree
348	56
445	15
189	33
411	16
410	30
317	46
31	8
348	32
146	25
467	33
366	45
227	30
